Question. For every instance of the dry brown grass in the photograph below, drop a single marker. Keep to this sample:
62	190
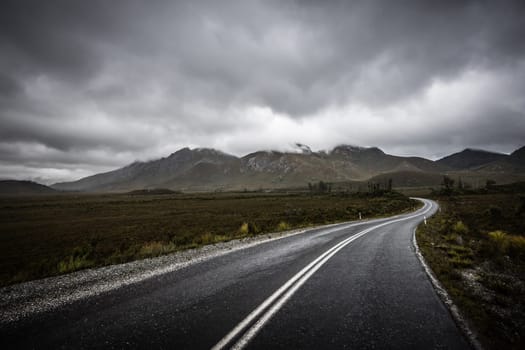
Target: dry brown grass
43	236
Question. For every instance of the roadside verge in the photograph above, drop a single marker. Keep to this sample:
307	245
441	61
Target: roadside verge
446	299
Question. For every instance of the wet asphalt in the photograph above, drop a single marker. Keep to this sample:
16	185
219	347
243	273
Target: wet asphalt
372	294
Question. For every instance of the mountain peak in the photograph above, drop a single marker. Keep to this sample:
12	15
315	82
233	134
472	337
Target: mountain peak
210	151
200	151
520	150
303	148
345	149
180	151
477	150
470	158
518	156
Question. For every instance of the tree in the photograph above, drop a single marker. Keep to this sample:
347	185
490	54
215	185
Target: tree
320	187
447	184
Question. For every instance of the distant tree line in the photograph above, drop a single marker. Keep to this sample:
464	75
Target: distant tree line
372	187
377	187
448	188
320	187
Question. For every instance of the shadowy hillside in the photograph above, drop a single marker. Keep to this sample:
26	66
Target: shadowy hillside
16	188
470	158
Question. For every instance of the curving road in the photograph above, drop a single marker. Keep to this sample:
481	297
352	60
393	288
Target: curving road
354	285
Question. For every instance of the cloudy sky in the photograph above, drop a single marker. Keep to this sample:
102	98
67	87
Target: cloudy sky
89	86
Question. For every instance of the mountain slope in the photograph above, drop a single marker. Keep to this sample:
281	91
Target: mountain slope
470	158
204	169
373	160
15	188
518	156
184	163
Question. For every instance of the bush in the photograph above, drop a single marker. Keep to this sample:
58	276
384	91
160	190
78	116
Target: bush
249	228
459	262
459	256
460	228
81	258
253	228
283	226
451	237
151	249
205	238
498	241
74	263
244	229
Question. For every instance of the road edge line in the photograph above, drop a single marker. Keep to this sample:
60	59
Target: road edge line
445	298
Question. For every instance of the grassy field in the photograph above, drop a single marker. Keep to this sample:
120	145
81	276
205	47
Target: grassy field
43	236
476	247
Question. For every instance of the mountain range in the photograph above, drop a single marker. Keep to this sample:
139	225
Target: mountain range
205	169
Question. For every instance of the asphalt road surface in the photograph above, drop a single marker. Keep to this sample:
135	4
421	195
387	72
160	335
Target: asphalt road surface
355	285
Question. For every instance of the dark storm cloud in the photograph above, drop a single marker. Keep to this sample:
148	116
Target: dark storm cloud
108	82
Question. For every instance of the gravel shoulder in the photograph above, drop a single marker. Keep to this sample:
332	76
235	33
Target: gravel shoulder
22	300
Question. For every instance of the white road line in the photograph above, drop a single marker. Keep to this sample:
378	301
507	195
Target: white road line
277	299
255	313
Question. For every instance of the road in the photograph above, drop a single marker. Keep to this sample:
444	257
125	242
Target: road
355	285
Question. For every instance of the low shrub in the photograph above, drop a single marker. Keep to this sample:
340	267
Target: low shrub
151	249
283	226
205	238
451	237
460	228
253	228
244	229
80	258
74	263
459	262
498	241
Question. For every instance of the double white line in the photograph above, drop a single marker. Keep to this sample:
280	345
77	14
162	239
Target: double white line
264	312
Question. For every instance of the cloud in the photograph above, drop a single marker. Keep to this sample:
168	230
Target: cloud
91	86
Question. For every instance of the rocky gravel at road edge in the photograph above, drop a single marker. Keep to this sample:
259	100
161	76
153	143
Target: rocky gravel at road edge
24	299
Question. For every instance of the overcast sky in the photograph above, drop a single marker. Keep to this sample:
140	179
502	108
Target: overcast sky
89	86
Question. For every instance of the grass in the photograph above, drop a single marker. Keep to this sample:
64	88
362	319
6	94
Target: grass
476	247
283	226
44	236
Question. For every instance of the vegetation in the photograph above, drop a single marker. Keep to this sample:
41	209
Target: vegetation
43	236
476	247
153	191
320	187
